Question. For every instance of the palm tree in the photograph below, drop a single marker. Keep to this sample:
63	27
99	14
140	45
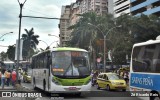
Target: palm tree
30	41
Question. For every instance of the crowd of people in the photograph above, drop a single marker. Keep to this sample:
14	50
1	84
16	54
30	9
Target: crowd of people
8	77
123	74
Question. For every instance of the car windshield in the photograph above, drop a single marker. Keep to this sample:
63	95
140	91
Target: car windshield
113	77
70	63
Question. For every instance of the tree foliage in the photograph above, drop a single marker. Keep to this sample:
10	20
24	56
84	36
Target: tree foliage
11	52
3	56
119	40
30	41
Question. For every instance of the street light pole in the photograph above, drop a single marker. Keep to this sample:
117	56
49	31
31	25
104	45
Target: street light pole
44	42
18	50
104	36
54	36
52	43
105	45
5	34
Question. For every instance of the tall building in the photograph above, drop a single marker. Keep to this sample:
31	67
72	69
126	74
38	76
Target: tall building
99	6
64	24
69	14
73	13
146	7
121	6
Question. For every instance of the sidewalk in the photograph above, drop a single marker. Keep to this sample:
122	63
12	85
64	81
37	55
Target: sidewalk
7	88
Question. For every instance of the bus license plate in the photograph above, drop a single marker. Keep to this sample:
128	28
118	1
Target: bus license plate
72	88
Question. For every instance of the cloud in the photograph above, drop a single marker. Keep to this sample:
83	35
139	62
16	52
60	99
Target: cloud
9	19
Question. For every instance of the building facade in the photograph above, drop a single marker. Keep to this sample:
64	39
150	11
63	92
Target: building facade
99	6
121	7
69	13
64	24
146	7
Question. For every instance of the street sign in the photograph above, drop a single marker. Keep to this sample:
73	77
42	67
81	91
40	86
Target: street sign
21	45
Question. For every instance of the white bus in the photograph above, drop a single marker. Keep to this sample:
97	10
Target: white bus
9	65
54	70
145	69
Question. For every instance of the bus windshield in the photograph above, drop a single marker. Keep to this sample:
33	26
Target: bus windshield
70	63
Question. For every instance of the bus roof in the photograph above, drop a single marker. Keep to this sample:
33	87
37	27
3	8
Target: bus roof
8	62
63	49
68	49
146	43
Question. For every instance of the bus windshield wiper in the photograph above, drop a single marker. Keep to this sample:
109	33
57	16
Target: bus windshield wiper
67	69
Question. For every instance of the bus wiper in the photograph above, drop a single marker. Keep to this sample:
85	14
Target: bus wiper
67	69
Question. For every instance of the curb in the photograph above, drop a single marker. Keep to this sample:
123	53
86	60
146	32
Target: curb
18	87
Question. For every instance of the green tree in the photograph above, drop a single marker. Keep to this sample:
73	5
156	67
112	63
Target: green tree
11	52
121	39
30	41
3	56
146	28
89	31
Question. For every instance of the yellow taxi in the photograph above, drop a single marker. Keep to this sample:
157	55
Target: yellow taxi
111	81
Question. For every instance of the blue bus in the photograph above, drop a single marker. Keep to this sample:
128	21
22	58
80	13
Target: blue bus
145	69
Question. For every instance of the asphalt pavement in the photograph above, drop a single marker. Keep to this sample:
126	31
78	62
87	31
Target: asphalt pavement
95	94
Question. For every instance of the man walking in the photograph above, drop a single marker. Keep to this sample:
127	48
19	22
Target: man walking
3	78
14	75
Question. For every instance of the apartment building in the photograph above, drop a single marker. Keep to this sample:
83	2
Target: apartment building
69	13
121	7
136	7
99	6
146	7
64	24
73	13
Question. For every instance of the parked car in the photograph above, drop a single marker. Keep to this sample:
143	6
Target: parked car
111	81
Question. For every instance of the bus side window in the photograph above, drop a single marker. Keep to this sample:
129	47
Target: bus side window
157	64
49	60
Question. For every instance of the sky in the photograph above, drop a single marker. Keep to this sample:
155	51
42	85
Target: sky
9	21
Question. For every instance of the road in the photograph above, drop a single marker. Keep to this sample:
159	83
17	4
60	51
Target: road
94	95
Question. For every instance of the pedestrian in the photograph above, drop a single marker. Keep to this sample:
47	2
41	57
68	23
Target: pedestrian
3	78
19	77
14	75
121	74
126	76
8	77
94	78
